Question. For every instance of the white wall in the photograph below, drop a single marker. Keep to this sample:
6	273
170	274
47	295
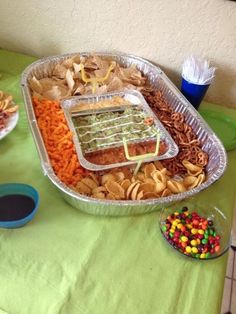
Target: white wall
164	31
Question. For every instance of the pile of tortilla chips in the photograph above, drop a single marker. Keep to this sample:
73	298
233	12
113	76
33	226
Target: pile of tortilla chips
66	79
152	181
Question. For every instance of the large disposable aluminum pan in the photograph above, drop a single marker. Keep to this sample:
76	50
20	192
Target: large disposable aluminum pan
211	144
134	97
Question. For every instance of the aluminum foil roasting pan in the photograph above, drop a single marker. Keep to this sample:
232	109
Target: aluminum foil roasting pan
211	144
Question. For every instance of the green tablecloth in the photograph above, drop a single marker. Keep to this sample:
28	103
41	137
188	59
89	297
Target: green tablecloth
67	262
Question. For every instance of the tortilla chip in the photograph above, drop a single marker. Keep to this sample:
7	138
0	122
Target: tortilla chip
77	71
35	85
135	192
83	188
59	71
119	176
100	73
115	189
68	63
89	182
125	184
192	169
56	93
107	177
159	187
175	186
159	176
110	196
140	176
115	85
99	189
99	195
79	89
69	79
101	90
189	180
148	169
165	193
198	181
147	187
149	180
130	188
149	195
100	62
48	83
93	177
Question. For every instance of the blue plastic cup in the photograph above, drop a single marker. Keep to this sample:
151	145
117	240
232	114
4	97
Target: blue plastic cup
194	92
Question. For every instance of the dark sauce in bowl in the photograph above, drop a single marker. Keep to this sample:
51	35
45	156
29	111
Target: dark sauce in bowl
15	207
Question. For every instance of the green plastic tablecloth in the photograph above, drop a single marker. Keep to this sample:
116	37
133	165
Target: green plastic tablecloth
66	261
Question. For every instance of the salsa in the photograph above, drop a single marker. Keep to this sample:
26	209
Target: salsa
117	154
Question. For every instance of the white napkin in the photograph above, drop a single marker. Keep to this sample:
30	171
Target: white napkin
198	71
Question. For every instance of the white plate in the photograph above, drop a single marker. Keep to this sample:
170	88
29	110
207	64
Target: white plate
11	123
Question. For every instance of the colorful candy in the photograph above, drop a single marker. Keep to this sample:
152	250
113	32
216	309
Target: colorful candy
191	234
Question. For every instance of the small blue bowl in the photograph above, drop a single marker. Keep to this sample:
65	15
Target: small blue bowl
23	195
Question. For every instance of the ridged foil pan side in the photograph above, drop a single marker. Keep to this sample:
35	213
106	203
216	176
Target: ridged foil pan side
212	145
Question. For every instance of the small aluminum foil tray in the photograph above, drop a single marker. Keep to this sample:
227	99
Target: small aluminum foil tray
211	144
72	112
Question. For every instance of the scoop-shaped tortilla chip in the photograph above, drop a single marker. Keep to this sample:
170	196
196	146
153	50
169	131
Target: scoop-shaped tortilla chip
107	177
147	187
175	186
159	176
148	169
99	195
166	192
89	182
99	189
115	189
130	189
159	187
139	195
198	181
189	180
149	195
110	196
192	169
83	188
135	192
125	184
